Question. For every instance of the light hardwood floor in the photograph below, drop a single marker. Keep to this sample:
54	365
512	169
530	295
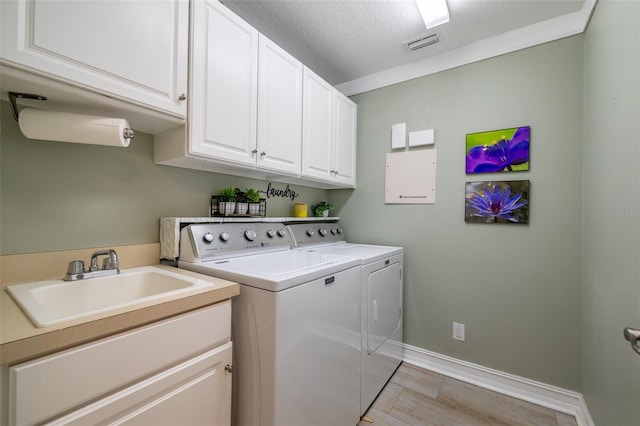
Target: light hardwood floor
415	396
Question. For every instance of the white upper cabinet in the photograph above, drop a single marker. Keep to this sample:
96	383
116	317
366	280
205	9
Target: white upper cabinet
344	157
135	51
246	102
255	110
224	85
279	109
317	127
329	133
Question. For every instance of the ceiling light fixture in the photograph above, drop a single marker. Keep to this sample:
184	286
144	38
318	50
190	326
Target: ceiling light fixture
434	12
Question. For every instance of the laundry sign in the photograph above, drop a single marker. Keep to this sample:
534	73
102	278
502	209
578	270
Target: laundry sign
273	191
411	177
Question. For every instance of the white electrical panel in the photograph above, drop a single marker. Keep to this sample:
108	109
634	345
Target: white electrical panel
411	177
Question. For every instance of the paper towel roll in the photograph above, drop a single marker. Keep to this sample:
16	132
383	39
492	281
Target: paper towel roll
77	128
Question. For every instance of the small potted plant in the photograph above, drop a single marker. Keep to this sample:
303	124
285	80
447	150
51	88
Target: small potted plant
242	202
226	201
322	209
253	196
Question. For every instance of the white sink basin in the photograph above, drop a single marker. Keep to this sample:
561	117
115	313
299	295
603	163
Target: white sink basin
52	302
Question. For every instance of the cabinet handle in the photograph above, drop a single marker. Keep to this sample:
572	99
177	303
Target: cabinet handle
254	151
262	154
336	172
182	97
228	368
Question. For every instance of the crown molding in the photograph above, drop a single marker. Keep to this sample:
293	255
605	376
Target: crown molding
521	38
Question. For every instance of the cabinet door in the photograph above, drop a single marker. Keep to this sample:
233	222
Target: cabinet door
344	159
45	387
317	125
196	392
132	50
279	109
224	79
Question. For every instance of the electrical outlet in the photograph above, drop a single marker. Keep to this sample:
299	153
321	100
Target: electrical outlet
458	331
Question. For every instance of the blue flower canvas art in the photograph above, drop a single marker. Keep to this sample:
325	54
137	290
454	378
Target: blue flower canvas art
505	150
497	202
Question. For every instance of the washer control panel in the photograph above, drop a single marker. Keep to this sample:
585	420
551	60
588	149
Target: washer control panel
316	233
202	242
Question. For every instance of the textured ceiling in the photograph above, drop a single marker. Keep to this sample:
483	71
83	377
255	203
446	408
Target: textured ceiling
343	40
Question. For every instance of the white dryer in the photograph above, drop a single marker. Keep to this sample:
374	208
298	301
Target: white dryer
382	303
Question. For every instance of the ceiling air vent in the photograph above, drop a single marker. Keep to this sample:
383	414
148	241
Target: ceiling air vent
423	41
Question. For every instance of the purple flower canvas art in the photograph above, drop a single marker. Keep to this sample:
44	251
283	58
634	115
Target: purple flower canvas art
505	150
497	202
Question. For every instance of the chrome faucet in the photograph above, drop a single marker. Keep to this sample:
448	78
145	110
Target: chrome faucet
110	266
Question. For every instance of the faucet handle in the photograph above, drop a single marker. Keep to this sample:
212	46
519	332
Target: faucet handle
75	271
110	263
75	267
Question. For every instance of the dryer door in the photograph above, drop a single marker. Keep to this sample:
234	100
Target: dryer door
384	305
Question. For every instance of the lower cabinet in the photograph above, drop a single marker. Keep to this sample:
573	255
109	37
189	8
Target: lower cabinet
196	392
176	371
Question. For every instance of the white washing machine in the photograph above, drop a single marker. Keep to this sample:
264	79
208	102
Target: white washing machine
382	269
296	325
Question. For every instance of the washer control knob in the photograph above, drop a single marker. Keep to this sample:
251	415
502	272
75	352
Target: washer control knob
322	231
208	238
334	231
310	233
282	232
225	236
339	230
250	234
271	233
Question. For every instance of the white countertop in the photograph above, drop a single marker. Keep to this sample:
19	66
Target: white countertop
20	339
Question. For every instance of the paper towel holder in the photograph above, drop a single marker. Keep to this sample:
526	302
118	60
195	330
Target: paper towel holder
13	100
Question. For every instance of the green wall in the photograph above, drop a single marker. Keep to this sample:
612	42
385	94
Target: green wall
611	263
546	301
58	196
515	287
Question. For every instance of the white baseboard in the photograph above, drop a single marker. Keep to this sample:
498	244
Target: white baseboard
555	398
